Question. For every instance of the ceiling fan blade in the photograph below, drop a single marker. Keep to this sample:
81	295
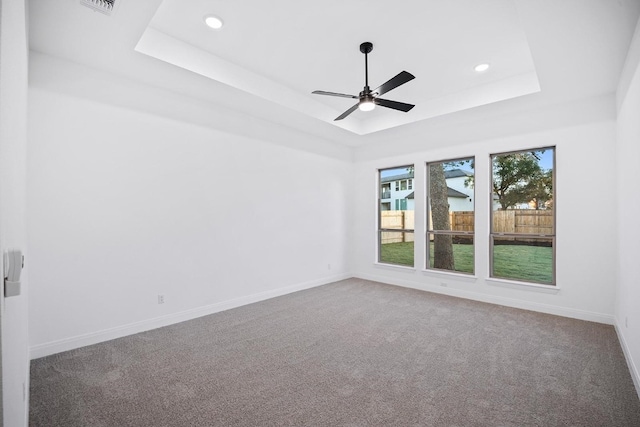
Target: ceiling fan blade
398	80
346	113
342	95
393	104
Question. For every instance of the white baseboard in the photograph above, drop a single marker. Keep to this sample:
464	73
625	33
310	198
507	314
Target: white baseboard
71	343
633	369
492	299
78	341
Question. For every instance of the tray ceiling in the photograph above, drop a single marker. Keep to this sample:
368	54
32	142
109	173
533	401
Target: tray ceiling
283	50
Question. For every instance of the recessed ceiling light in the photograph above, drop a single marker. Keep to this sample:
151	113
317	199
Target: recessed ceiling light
481	67
213	22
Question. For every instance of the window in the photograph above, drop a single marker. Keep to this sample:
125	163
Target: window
396	218
386	191
523	216
410	184
451	215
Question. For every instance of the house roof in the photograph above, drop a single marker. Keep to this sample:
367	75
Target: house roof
455	193
453	173
397	177
450	193
456	173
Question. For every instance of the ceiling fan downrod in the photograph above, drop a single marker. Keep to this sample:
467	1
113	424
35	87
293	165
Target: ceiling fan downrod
366	103
366	48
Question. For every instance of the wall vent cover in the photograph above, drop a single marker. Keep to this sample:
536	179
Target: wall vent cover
107	7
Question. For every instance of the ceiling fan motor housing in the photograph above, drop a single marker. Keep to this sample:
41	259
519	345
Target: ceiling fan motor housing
366	47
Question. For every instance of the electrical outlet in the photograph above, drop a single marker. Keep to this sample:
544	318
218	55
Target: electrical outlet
443	284
626	321
160	299
328	266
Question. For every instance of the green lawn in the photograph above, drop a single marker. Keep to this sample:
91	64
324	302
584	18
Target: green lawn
397	253
519	262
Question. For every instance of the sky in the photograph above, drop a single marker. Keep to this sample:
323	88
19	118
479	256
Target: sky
546	162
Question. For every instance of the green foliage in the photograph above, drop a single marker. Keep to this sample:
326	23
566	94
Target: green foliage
539	189
518	178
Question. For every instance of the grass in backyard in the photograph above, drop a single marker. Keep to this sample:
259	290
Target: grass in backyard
462	258
519	262
397	253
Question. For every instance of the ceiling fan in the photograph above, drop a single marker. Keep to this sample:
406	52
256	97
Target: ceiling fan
368	99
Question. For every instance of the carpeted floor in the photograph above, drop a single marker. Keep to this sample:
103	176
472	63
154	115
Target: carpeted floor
351	353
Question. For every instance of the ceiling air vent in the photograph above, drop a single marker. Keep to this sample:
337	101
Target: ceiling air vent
103	6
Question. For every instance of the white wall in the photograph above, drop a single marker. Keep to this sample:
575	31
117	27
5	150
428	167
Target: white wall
586	231
13	142
125	205
628	292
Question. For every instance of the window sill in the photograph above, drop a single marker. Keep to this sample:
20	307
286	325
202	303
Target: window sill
469	277
513	284
394	266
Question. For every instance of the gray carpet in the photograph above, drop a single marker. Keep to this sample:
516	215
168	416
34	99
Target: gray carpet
352	353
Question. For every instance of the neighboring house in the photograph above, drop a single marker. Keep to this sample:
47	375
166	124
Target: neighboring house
459	190
397	191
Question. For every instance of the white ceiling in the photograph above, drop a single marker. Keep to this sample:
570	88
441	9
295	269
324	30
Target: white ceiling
283	50
271	55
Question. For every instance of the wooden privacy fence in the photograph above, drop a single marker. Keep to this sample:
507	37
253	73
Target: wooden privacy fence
461	221
397	220
526	221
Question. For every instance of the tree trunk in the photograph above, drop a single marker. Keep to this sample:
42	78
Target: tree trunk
442	244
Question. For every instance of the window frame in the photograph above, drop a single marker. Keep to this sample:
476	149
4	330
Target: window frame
429	220
381	230
552	236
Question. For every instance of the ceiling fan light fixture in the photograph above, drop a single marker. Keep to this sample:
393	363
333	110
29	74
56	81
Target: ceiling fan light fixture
368	99
366	104
213	22
481	67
